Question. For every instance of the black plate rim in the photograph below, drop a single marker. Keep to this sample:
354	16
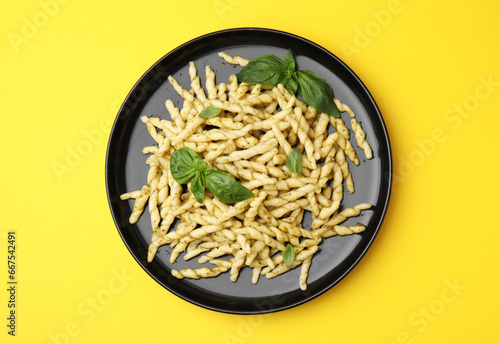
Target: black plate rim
388	175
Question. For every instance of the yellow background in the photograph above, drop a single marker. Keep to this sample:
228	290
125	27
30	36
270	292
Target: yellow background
431	275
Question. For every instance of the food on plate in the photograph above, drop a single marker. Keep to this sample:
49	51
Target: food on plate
236	168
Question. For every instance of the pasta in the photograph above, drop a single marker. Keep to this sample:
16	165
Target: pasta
250	140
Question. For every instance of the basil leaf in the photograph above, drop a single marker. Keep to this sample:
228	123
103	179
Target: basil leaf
199	164
181	165
224	187
210	112
316	92
197	187
266	70
294	162
288	255
291	84
289	60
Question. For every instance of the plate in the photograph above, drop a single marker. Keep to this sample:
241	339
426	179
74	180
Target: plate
126	170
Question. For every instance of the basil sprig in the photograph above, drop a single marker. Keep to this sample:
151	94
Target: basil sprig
288	255
210	112
271	70
186	166
294	162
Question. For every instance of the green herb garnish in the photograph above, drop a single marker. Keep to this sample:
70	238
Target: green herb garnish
210	112
271	70
288	255
294	162
186	166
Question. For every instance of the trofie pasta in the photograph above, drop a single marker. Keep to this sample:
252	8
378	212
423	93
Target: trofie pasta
250	139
